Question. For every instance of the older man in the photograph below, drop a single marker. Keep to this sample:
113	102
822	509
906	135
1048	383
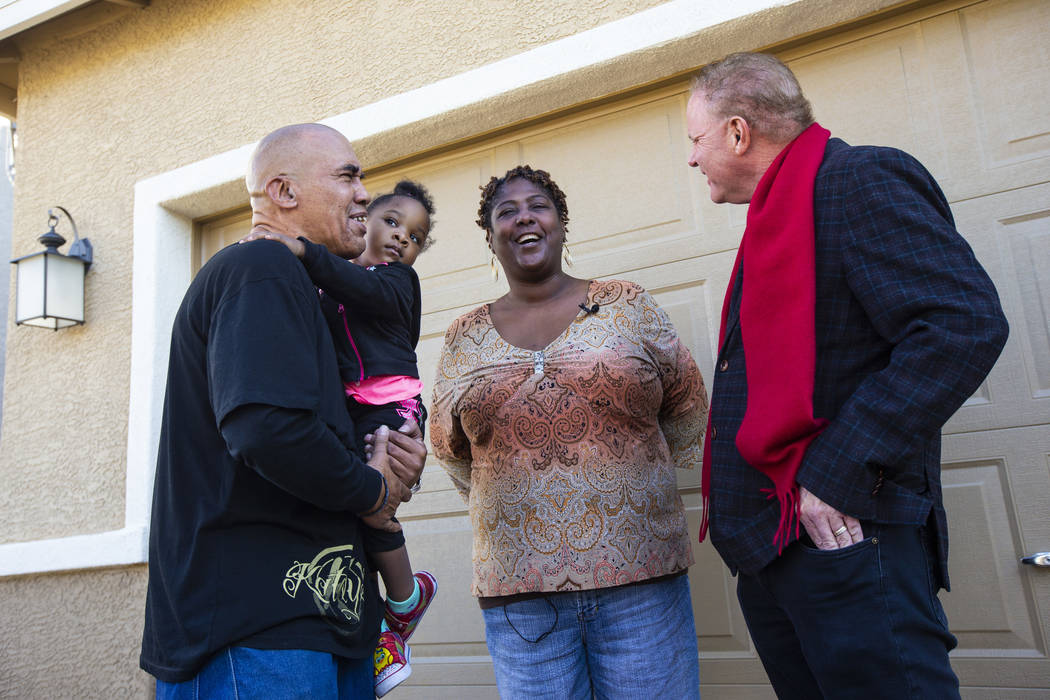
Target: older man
258	585
856	322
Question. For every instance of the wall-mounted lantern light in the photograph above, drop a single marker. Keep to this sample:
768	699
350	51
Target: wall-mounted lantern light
50	289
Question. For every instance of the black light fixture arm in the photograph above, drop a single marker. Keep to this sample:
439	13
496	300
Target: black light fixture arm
79	248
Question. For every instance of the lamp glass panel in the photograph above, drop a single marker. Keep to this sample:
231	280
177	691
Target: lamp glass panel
65	288
30	288
42	322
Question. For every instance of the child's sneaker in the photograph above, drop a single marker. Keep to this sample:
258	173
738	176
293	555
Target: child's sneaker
405	623
390	662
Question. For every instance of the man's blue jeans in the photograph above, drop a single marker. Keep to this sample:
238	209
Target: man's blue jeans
860	622
624	642
241	673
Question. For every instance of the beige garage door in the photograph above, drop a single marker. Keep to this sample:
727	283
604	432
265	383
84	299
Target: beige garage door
961	86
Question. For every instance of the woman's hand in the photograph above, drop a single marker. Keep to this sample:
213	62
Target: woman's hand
261	232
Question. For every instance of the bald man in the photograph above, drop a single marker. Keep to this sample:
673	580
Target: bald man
258	584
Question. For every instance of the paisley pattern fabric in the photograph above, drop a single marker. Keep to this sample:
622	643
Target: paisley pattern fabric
567	456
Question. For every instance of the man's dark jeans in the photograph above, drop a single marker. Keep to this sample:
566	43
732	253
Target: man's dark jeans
861	622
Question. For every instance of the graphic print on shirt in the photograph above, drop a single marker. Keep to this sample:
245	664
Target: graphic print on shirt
335	577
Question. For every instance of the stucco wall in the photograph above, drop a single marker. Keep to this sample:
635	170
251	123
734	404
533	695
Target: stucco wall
70	635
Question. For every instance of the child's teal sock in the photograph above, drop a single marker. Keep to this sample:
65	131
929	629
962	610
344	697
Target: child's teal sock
403	606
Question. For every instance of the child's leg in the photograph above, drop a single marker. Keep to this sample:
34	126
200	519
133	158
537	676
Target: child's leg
396	571
413	408
408	595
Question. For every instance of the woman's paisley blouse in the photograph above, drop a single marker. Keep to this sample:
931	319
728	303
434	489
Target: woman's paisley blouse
567	456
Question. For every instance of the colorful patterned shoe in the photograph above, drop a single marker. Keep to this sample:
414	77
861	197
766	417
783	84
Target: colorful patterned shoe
405	623
391	665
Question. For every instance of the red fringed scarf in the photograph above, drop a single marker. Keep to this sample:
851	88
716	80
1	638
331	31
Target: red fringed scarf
777	324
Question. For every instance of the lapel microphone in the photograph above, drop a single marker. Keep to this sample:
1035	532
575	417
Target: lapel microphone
592	309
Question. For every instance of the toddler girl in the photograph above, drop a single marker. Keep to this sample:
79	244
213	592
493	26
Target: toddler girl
373	308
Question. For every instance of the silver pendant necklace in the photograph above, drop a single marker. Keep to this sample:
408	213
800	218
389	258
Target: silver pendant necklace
537	362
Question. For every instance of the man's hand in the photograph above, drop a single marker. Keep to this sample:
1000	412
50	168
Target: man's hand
261	232
828	528
407	453
395	493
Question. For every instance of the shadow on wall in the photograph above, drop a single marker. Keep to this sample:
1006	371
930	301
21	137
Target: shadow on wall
7	191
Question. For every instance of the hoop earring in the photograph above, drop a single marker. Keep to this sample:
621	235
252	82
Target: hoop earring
493	267
566	255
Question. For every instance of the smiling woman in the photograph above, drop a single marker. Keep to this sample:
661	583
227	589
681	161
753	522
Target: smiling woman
560	412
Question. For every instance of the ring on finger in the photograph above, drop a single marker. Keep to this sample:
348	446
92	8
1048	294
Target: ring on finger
839	532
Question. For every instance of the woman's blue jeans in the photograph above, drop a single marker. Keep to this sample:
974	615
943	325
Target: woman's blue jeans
625	642
241	673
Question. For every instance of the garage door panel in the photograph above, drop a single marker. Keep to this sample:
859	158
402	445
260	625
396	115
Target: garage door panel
736	691
422	676
720	626
656	254
991	96
1010	86
997	493
216	234
633	203
953	90
838	83
988	534
442	546
1028	244
436	323
427	353
453	295
450	677
437	497
1010	234
685	306
648	147
999	694
692	292
459	244
629	181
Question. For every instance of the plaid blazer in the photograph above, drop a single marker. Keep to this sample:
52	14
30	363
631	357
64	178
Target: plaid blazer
908	325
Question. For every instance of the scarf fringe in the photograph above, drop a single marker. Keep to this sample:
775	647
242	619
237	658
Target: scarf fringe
789	501
705	472
704	520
